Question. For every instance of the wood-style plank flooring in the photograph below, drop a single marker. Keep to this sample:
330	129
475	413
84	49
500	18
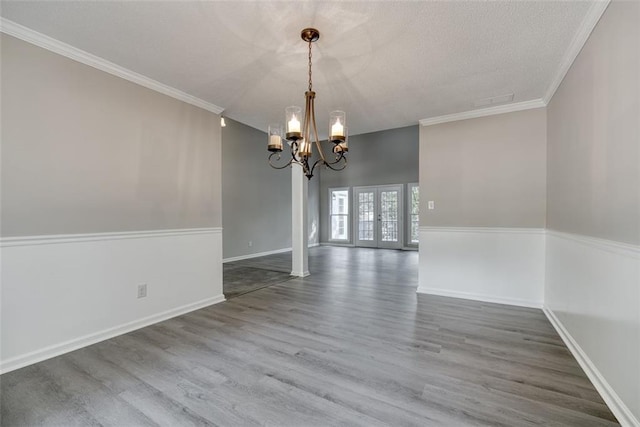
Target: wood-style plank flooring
352	344
241	278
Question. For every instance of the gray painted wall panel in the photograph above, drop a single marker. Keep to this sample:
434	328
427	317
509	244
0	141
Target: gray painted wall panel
256	199
314	209
485	172
84	151
594	135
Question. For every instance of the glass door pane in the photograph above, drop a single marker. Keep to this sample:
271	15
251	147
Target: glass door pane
414	213
365	200
390	217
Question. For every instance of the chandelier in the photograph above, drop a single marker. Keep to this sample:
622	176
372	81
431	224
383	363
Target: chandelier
301	139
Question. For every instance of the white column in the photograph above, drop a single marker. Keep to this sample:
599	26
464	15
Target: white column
299	223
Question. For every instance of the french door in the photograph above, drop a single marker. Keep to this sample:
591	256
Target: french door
378	216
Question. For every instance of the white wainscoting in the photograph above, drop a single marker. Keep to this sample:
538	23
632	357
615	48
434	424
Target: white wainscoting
60	293
592	297
502	265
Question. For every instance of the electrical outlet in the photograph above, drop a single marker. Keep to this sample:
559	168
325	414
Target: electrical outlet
431	205
142	290
250	243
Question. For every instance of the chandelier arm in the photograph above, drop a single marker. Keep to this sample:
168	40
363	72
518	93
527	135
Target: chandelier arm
333	168
340	158
278	158
304	163
317	162
294	152
311	116
315	132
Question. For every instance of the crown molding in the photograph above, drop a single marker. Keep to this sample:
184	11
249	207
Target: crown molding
584	31
482	112
30	36
589	22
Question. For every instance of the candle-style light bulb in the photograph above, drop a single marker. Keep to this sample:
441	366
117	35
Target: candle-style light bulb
344	145
294	124
338	121
337	129
305	148
275	138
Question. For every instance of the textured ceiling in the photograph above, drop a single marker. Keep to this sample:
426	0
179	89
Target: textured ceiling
386	63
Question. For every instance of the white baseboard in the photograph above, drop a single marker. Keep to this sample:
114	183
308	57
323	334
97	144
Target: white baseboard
611	398
256	255
87	340
261	254
350	245
344	245
300	273
480	297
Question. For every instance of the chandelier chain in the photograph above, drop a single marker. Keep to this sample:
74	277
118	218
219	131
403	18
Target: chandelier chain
310	83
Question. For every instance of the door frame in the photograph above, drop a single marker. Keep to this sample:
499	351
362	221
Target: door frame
377	243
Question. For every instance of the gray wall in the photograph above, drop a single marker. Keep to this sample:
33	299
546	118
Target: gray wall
594	133
84	151
485	172
314	209
378	158
256	199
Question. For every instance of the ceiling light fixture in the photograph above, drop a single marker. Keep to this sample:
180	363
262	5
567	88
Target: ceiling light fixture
300	139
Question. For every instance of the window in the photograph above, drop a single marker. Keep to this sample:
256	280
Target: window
414	210
339	214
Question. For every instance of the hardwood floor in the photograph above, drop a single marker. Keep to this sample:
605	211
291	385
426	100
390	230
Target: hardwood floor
240	278
352	344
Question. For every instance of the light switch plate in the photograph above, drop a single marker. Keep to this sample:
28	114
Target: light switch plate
431	205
